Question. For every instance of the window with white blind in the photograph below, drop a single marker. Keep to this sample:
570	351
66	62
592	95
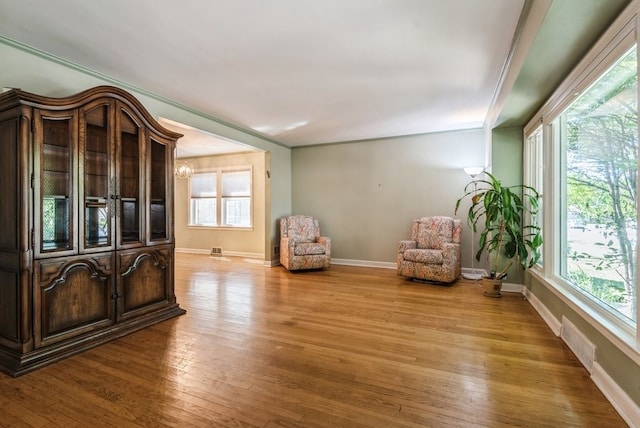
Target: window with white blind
236	198
220	198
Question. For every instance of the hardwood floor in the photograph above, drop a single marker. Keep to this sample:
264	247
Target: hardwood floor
344	347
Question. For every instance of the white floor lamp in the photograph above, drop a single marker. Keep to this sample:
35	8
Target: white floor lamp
473	172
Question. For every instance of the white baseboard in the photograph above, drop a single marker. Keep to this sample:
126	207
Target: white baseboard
364	263
512	288
579	344
345	262
276	262
624	405
475	271
224	253
272	263
192	251
619	399
542	310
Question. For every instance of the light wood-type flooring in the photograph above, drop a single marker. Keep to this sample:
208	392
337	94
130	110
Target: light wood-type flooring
343	347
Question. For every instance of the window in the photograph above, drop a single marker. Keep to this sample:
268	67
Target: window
220	198
598	148
236	198
203	201
534	162
581	153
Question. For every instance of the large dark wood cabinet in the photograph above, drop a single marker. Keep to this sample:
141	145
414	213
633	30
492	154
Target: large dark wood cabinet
86	223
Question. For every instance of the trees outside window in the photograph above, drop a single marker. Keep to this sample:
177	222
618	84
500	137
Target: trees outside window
598	189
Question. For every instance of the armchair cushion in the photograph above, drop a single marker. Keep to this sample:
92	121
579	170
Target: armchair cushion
424	256
307	248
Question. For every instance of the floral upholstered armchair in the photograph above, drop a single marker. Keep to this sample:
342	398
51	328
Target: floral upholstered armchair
433	253
301	246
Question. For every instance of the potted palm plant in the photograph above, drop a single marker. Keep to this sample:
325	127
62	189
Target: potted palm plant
502	211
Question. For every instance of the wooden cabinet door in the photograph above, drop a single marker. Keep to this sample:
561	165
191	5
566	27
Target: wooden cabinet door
159	190
145	280
95	177
55	184
130	155
72	296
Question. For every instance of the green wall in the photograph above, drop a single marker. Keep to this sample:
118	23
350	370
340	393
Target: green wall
366	194
506	166
506	155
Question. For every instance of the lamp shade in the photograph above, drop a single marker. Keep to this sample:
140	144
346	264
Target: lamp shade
473	171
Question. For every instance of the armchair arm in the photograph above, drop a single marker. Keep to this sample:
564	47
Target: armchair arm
406	245
402	247
326	242
450	255
286	242
286	250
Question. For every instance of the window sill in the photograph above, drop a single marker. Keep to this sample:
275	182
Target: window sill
611	328
234	228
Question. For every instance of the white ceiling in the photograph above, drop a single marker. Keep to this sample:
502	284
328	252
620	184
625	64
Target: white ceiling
298	72
197	142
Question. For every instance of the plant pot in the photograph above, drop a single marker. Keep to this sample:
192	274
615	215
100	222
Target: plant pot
492	287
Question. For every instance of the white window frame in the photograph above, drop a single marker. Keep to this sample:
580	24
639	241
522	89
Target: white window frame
220	199
534	166
620	37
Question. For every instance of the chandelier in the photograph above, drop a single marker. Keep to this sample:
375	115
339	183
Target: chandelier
183	169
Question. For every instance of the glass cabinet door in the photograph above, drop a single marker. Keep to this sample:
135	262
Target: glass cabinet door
129	181
56	137
159	187
96	147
